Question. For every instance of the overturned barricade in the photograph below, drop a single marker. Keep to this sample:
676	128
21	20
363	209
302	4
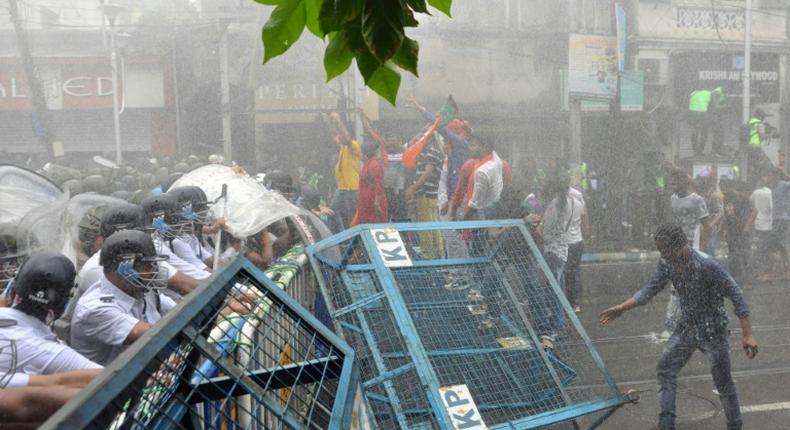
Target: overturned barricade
237	352
460	325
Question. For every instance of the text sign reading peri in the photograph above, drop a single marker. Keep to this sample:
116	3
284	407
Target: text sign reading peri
461	408
391	248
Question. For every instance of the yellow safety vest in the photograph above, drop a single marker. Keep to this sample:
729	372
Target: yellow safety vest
699	101
754	132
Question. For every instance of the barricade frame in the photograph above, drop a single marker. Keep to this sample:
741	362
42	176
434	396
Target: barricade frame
130	368
362	234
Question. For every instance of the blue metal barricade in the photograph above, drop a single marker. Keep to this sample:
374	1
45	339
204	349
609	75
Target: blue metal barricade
183	373
460	336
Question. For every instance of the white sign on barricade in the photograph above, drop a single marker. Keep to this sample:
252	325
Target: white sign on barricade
391	247
461	407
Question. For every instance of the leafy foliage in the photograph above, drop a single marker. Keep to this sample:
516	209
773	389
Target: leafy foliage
371	32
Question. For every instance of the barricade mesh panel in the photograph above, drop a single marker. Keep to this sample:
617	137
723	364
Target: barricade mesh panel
236	352
486	313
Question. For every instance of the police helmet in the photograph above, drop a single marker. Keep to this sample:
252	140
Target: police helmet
193	203
170	180
88	228
94	184
162	213
181	167
43	284
125	251
121	217
123	195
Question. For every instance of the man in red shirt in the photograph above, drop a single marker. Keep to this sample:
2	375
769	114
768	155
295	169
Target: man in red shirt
372	206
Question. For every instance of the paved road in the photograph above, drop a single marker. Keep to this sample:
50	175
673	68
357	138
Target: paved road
630	350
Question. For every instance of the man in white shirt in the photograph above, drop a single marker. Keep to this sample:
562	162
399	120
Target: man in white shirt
39	296
125	302
762	219
488	179
575	240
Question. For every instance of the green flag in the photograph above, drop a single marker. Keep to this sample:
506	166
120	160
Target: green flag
448	111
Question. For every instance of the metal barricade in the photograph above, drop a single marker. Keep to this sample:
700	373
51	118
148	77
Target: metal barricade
183	374
460	336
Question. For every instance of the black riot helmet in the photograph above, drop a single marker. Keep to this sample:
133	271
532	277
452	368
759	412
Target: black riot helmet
193	203
132	255
162	213
121	217
43	284
94	184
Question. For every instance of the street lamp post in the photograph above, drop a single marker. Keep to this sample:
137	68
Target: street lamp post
111	12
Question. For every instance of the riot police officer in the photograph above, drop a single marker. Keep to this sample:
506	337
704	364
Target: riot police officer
40	291
126	301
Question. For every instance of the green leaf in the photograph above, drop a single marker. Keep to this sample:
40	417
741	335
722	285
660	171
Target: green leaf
407	56
283	28
312	11
418	6
349	10
385	82
337	56
382	27
269	2
443	5
367	63
408	18
327	18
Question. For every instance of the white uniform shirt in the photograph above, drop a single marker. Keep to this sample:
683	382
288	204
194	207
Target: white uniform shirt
190	250
105	316
181	265
38	351
763	203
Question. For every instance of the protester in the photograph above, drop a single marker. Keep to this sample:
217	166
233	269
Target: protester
701	284
344	202
372	206
780	193
737	208
689	211
423	195
575	241
761	219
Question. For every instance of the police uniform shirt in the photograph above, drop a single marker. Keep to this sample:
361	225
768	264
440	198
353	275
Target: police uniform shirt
105	316
190	250
18	380
183	266
38	351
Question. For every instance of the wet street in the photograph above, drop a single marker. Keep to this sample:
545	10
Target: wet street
630	348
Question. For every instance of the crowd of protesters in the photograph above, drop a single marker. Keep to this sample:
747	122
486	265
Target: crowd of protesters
444	171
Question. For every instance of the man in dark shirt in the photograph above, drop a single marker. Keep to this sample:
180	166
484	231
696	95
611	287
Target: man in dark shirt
701	285
423	193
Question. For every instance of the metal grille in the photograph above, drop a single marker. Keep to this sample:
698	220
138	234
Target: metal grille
8	360
237	352
481	316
